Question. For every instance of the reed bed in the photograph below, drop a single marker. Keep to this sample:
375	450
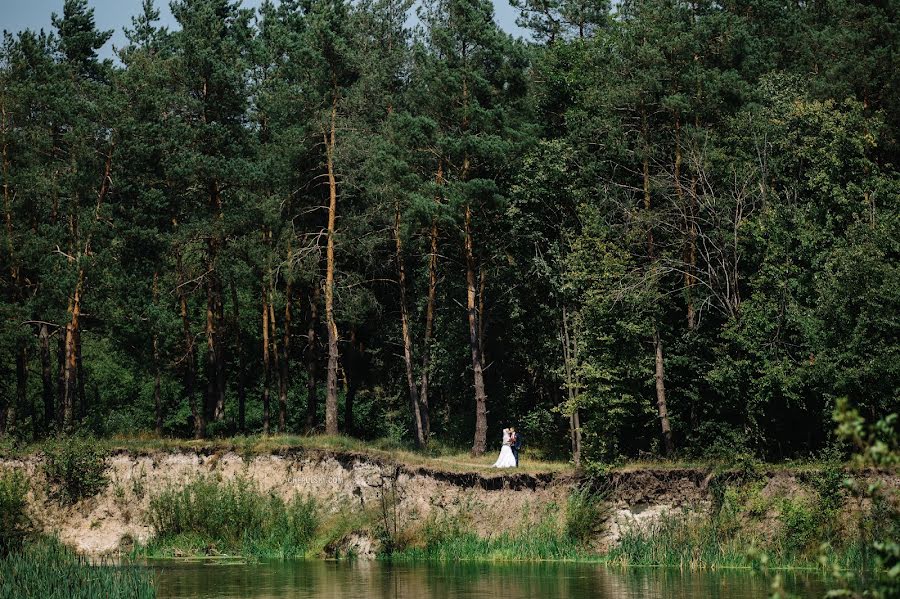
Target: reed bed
46	569
212	517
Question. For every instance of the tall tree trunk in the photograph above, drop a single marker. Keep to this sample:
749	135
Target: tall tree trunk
312	394
273	350
157	367
239	352
480	443
73	330
266	371
415	412
215	366
79	372
284	370
215	313
331	420
481	312
70	388
657	343
661	395
190	358
46	376
429	309
570	363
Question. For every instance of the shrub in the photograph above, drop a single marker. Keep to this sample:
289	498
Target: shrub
15	524
208	515
829	481
800	530
717	441
584	512
75	467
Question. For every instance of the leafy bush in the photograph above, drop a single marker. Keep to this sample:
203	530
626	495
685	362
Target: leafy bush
829	482
49	570
15	524
584	512
876	445
717	441
801	524
75	467
208	515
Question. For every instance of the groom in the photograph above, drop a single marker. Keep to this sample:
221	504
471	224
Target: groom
516	445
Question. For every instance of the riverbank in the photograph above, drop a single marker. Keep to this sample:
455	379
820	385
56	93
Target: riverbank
330	497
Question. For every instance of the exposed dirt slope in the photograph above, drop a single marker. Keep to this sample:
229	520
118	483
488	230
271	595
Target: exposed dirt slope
350	481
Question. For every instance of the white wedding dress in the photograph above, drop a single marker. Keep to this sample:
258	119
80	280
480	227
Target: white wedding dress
506	459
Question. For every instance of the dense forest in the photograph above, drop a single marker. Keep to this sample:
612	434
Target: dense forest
659	227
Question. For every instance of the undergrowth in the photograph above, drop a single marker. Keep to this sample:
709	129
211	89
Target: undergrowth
208	516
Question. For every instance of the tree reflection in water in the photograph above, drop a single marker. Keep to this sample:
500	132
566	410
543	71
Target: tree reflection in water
382	580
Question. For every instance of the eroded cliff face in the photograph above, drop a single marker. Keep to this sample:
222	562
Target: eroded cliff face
338	481
353	482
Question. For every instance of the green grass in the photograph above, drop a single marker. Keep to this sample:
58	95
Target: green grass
541	542
212	517
48	570
689	541
436	456
556	536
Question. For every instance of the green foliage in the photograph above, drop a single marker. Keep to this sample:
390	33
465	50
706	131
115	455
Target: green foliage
15	524
209	516
800	527
46	569
829	482
698	177
447	538
680	541
875	445
75	467
585	511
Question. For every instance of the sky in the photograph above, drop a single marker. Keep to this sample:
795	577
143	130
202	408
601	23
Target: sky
16	15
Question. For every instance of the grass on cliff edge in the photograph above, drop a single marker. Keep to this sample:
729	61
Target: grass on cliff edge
436	456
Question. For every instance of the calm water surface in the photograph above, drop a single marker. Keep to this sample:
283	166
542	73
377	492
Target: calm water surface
378	580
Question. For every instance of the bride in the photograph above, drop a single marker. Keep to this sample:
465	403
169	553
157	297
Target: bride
506	459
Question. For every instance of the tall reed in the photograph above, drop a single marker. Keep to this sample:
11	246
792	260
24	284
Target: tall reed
208	516
447	538
47	569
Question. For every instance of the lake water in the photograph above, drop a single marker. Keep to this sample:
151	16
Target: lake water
380	580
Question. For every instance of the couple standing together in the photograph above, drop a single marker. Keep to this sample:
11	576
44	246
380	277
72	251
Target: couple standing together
509	453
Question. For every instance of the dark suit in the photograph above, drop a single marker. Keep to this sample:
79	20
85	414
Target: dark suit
516	446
